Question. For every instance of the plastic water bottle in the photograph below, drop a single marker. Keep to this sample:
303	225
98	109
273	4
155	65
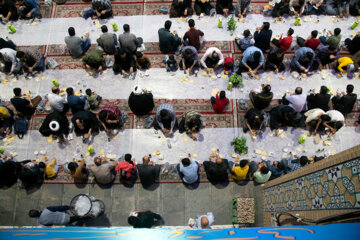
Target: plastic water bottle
220	23
354	25
11	28
297	21
168	143
115	27
55	82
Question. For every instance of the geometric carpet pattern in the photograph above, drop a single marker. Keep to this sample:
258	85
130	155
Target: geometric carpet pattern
337	187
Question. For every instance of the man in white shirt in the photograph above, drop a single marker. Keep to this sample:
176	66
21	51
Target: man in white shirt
8	57
313	120
202	222
297	100
212	60
334	120
56	101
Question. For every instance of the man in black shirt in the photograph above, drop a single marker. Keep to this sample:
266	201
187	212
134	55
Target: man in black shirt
148	172
26	107
217	172
280	116
261	100
254	121
144	219
275	60
319	100
346	103
262	37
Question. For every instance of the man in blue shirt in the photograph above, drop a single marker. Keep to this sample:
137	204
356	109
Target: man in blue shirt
295	163
303	60
189	59
276	168
252	60
188	171
29	9
55	215
76	103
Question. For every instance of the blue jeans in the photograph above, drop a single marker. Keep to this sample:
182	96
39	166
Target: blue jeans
85	45
323	40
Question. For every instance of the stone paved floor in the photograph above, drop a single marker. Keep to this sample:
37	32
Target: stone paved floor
175	203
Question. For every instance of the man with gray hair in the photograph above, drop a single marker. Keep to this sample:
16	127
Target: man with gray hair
103	170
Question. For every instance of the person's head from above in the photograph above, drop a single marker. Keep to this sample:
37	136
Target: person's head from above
298	90
323	90
55	90
279	52
97	161
126	28
103	115
304	160
243	163
256	56
350	67
349	88
4	112
188	53
257	121
42	165
339	125
137	90
104	28
331	49
266	26
228	66
17	92
139	54
80	123
88	92
33	213
167	24
195	124
218	159
204	221
20	55
185	162
246	33
214	55
280	166
308	56
314	34
128	158
290	32
146	160
133	221
266	88
337	31
325	118
72	166
54	126
69	91
222	94
98	6
171	58
165	115
191	23
264	170
71	31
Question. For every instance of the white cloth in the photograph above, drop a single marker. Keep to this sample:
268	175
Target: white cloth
209	216
297	101
313	114
9	55
335	116
209	52
56	101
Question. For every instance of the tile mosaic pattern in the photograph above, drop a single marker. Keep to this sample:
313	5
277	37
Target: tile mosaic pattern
333	188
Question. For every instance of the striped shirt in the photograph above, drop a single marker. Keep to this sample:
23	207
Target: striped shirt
32	54
104	4
170	110
190	116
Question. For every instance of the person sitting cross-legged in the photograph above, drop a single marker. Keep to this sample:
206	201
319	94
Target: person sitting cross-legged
77	46
8	11
254	122
54	215
261	100
78	172
262	37
110	118
303	60
165	119
326	55
284	43
202	7
188	170
246	41
192	37
75	103
128	41
31	60
142	61
275	60
50	169
281	116
124	64
219	102
252	60
191	122
276	168
149	172
102	9
85	123
239	169
55	124
56	101
344	102
127	169
189	60
296	100
333	40
212	60
312	42
319	100
29	9
169	42
107	41
103	170
297	7
338	7
11	63
259	172
181	8
141	101
25	106
294	163
315	7
281	8
217	172
242	8
224	7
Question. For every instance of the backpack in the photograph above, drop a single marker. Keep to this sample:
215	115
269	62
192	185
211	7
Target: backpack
20	127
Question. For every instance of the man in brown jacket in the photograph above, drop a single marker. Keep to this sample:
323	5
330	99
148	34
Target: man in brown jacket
78	172
103	170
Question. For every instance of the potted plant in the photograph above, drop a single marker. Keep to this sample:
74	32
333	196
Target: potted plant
231	24
240	145
235	79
